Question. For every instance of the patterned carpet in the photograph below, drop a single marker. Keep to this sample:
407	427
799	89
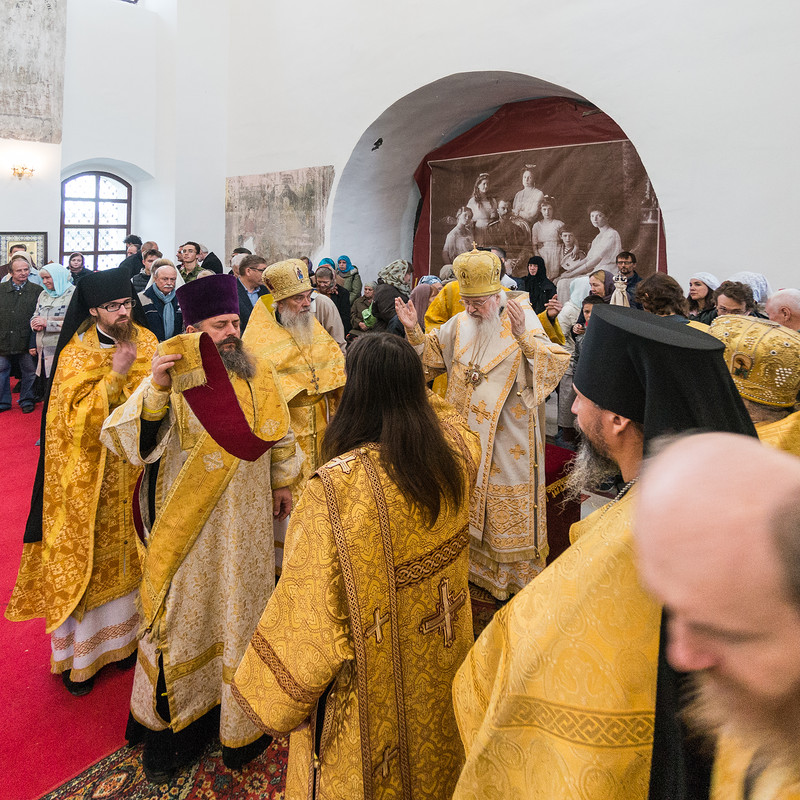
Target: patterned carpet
120	777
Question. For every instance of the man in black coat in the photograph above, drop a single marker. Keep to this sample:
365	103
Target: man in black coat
18	298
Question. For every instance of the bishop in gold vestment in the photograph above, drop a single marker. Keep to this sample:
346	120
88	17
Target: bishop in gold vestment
498	388
372	610
82	572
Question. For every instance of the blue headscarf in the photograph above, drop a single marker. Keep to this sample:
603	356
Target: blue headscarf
61	279
327	262
431	279
348	268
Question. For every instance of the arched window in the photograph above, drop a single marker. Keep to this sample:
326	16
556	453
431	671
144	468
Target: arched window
95	218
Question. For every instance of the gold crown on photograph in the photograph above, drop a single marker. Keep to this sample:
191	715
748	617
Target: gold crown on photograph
287	278
763	358
478	273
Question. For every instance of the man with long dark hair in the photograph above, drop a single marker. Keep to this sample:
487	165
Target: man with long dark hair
371	617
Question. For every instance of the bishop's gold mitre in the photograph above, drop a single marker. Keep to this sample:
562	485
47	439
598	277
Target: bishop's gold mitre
478	273
763	358
287	278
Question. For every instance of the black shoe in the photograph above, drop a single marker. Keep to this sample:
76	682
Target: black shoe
77	688
128	662
4	408
158	757
158	773
27	408
237	757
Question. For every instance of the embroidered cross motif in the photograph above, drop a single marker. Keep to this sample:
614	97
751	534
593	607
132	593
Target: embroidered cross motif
388	754
480	412
343	462
446	613
377	627
518	410
517	452
212	461
494	469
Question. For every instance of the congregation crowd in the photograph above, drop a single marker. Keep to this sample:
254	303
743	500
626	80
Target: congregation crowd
275	488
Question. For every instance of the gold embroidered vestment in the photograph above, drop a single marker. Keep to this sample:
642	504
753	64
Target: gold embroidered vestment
87	555
374	603
557	697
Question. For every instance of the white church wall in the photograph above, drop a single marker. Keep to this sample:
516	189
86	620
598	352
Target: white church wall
698	88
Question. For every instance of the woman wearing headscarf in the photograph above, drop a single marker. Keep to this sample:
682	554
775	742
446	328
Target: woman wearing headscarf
393	282
361	322
601	283
536	283
325	262
49	314
348	277
425	291
702	286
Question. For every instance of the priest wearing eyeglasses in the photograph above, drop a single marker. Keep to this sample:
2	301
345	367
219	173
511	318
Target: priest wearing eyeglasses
80	569
500	367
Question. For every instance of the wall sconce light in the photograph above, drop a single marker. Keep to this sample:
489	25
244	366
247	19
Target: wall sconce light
21	171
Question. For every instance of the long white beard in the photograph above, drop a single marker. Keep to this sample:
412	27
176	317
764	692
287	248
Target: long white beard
483	331
300	324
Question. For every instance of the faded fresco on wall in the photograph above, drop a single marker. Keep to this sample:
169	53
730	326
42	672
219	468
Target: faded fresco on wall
278	215
32	66
575	206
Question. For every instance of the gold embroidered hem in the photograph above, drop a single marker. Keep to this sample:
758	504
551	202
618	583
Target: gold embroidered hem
374	603
88	551
557	697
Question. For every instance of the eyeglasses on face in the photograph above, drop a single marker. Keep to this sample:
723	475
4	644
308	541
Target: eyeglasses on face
469	303
112	307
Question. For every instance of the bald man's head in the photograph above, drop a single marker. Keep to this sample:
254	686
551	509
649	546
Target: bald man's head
717	531
783	307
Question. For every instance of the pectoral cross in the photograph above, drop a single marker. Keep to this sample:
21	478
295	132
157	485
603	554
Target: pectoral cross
377	627
446	613
388	754
343	462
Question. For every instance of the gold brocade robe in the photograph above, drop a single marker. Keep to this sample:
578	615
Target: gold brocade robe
224	571
374	603
311	379
784	434
87	556
730	770
508	515
557	697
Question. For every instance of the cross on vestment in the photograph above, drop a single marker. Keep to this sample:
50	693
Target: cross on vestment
517	452
388	754
377	627
481	412
446	612
343	462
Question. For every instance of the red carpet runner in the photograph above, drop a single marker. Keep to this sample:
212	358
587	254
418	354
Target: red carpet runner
47	736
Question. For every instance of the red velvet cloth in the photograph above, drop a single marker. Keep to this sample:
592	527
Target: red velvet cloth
530	124
561	513
216	406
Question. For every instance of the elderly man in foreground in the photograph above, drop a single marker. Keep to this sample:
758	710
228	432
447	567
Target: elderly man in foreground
210	424
500	367
724	564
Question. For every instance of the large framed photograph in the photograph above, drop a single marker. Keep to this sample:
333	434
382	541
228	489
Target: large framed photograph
575	206
35	246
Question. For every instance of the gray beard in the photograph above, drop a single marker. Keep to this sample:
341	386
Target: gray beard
238	361
484	331
719	706
300	324
589	469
